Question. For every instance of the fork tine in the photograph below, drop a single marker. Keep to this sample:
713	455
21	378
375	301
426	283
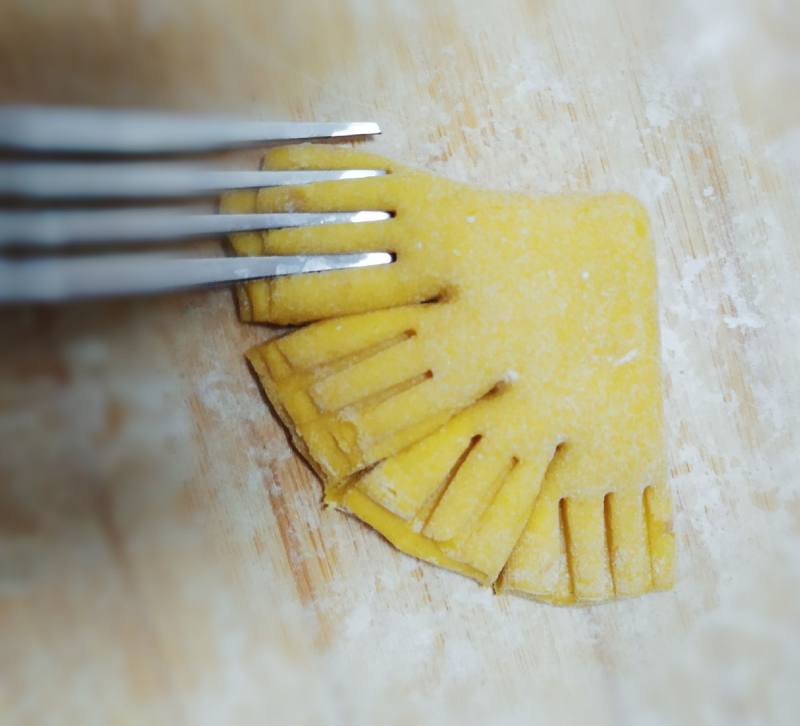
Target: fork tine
54	228
147	180
58	279
121	131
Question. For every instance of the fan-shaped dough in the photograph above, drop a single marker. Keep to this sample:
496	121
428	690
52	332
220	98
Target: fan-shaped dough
491	402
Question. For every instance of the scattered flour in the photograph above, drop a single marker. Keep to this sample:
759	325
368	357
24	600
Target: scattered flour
744	320
627	358
659	115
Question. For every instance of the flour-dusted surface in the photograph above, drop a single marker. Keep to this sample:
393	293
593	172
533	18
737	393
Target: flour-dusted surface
163	558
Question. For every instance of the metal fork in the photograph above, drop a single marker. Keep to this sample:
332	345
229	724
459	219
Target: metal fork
30	234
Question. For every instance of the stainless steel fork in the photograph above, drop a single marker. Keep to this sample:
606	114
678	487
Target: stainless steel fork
31	234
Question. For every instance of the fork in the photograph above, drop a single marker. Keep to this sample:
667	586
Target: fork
30	234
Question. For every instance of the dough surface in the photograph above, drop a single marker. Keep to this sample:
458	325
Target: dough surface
491	402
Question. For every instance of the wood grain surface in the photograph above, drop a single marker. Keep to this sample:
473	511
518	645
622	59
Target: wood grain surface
163	555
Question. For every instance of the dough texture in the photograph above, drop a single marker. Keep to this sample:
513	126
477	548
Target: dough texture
491	402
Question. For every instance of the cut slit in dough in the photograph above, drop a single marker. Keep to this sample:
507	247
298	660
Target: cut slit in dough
491	402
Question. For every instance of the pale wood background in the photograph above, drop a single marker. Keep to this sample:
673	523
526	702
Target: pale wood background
163	558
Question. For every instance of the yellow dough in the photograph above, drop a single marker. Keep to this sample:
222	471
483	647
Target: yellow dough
491	402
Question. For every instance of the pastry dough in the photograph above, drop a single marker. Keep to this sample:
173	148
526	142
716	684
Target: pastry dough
491	402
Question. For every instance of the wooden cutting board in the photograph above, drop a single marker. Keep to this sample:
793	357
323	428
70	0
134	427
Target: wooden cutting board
163	555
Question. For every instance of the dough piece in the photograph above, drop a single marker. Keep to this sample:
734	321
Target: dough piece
491	402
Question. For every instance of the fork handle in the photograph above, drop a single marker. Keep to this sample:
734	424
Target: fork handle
115	131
